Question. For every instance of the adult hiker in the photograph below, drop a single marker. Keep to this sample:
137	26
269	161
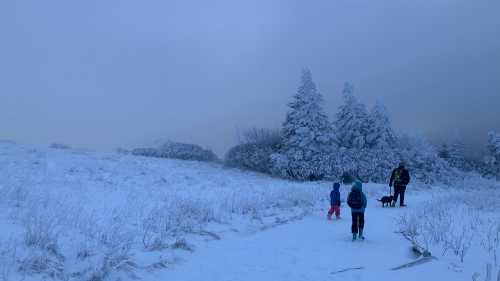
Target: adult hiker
400	179
357	202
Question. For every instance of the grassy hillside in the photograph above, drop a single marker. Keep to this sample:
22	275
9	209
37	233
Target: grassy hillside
88	216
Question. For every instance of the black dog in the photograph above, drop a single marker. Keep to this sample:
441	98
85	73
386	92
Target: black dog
386	200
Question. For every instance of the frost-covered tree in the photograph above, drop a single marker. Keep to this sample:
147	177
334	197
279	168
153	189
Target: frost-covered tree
494	145
454	153
380	133
367	140
307	138
422	160
457	155
493	157
367	165
444	151
352	123
254	150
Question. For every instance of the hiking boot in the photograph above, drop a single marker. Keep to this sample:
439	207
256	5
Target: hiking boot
354	237
329	217
402	205
360	236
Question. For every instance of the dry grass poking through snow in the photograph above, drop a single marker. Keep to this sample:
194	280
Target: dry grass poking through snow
76	215
464	224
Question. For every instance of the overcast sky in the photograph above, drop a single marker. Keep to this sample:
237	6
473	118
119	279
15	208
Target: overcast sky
102	74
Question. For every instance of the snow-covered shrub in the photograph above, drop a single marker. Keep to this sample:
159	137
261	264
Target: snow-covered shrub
250	156
279	165
148	152
59	146
492	160
422	160
42	228
367	165
124	151
454	153
183	151
255	150
491	241
177	150
115	261
41	262
260	135
435	228
458	223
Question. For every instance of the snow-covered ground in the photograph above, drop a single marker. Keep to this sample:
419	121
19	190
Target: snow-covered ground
311	249
78	215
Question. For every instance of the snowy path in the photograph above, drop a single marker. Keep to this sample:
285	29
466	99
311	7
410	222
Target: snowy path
310	249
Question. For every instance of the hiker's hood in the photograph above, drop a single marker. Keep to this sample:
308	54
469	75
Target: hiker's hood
357	186
336	186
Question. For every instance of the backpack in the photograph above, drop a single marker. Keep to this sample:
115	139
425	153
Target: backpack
398	176
355	200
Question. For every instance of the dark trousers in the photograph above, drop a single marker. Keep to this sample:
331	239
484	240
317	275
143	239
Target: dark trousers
399	190
358	221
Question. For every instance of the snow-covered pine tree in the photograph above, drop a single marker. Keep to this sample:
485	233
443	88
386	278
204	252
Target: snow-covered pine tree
352	123
493	157
380	134
454	153
457	155
444	151
307	138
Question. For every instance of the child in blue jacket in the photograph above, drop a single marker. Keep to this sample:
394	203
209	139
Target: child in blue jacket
334	201
357	201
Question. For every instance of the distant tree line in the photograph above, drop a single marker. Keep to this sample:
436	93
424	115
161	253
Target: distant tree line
358	143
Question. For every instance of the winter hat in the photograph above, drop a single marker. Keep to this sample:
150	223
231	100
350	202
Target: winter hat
357	185
336	185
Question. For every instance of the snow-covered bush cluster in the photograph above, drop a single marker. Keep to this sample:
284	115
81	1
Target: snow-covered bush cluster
57	145
255	150
177	150
466	222
454	153
422	160
492	160
359	143
85	216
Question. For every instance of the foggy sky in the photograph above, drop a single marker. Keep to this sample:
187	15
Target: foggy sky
104	74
